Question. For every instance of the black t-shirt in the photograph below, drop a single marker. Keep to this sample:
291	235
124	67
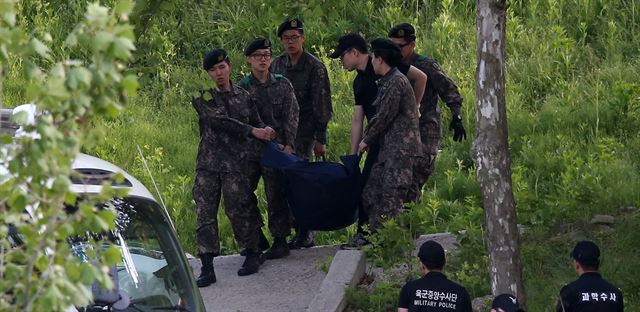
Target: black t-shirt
590	293
434	293
365	89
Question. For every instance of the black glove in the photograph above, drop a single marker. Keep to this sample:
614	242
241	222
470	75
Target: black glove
459	133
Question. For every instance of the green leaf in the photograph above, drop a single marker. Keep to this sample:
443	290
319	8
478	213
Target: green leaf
112	255
102	40
130	84
88	273
39	47
124	7
79	75
122	48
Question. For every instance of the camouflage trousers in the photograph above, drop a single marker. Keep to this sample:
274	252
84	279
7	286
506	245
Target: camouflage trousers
424	166
234	187
305	140
277	205
386	189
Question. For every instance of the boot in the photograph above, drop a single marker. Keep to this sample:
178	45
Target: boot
252	263
263	243
280	249
207	273
302	239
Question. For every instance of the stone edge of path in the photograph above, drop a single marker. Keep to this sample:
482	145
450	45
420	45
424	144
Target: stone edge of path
346	270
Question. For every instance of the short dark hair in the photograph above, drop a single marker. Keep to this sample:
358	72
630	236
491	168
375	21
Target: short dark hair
387	50
431	254
587	254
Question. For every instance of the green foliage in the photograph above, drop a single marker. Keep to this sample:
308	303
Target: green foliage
43	274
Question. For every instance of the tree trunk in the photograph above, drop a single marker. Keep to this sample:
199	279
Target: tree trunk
491	152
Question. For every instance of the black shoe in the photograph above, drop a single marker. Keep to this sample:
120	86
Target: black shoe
302	239
356	243
263	244
251	264
280	249
207	273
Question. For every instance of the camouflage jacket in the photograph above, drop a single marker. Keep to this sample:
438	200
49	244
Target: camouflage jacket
277	105
311	84
226	121
395	126
438	85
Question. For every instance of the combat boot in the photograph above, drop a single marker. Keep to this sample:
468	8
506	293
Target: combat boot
207	273
302	239
280	249
252	263
263	244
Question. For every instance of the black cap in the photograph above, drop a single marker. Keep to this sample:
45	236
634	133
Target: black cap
507	303
431	254
290	24
348	41
214	57
257	44
586	252
403	30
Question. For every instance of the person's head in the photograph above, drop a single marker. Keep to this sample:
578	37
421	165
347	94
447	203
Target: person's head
291	33
350	48
505	303
385	54
404	35
586	257
258	54
431	255
218	66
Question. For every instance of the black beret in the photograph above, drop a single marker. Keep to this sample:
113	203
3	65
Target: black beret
348	41
257	44
403	30
381	44
431	254
290	24
214	57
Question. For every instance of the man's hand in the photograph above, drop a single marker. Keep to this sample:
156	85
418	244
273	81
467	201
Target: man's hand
288	149
363	147
319	149
272	133
261	134
459	133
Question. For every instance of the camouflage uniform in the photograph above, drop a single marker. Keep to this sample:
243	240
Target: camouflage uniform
313	93
440	85
222	166
278	109
395	130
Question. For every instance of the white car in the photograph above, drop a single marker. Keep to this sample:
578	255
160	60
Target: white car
154	274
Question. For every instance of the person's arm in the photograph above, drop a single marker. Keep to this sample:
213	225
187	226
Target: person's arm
403	310
404	300
357	122
563	303
418	80
446	89
320	102
388	104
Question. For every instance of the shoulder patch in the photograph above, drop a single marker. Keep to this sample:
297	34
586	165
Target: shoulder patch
278	76
422	58
245	82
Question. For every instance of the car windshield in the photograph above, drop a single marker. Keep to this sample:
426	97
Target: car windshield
153	273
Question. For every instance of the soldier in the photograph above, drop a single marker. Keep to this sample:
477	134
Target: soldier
229	122
433	292
310	81
354	55
278	108
590	292
394	128
438	85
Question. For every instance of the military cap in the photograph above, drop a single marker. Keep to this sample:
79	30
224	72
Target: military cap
380	44
348	41
586	252
290	24
403	30
257	44
507	303
214	57
431	254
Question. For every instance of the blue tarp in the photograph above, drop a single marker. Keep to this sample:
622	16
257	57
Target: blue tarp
322	195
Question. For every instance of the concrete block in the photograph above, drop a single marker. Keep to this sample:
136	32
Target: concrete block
346	270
